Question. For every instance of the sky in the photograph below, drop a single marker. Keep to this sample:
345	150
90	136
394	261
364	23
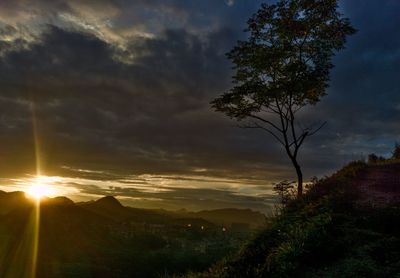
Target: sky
113	97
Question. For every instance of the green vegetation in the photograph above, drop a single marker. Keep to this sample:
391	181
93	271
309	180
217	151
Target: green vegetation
338	229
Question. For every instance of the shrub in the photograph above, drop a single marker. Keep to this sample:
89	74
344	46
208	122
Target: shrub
322	234
285	190
396	152
372	158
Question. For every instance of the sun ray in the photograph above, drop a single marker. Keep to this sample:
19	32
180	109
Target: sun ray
36	140
36	230
38	190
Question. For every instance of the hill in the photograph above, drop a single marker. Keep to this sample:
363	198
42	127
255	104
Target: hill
103	238
346	225
110	207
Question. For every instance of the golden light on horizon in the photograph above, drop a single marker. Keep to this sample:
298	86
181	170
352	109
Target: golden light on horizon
41	187
38	191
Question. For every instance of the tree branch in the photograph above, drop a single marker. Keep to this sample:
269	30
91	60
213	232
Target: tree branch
318	129
265	121
306	133
256	125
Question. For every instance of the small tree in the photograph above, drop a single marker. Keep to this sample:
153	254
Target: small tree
285	191
396	152
372	158
282	67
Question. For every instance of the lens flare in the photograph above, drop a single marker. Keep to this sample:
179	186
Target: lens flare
42	186
38	191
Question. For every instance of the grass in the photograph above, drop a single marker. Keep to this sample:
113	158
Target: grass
323	234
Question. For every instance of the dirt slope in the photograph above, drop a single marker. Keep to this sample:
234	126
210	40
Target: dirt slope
379	185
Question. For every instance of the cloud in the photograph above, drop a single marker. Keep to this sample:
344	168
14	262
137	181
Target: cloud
230	2
118	22
153	111
152	191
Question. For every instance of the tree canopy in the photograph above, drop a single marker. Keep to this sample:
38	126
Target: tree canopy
283	66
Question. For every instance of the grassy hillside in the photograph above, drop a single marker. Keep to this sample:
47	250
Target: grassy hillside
345	226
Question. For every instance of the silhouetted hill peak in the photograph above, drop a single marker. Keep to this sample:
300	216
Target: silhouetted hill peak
15	195
12	200
60	200
108	202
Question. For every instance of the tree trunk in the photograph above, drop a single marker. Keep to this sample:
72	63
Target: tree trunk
299	178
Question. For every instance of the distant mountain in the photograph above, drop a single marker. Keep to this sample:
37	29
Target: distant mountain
110	207
108	202
103	238
59	201
12	200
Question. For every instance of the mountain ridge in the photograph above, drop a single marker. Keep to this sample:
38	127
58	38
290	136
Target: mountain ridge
110	207
103	238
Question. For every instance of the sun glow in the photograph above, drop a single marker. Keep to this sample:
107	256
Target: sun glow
41	187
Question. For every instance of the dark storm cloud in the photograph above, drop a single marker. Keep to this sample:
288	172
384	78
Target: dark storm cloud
153	114
362	107
125	86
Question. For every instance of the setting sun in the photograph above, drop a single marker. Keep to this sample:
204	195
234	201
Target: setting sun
39	191
40	188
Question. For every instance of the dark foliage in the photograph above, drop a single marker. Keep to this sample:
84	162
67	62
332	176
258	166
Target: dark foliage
326	233
285	190
396	151
284	66
373	158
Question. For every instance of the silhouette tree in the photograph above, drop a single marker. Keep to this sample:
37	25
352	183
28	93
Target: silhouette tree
282	67
285	191
396	151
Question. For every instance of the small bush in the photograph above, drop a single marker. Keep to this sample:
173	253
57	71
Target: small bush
396	151
374	159
285	190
